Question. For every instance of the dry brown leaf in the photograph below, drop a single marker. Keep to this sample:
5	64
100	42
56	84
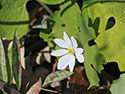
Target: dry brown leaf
55	84
36	88
77	77
22	51
43	55
47	54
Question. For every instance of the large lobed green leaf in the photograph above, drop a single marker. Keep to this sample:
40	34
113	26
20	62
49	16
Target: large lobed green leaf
111	42
89	2
118	86
52	2
93	59
13	15
3	67
56	76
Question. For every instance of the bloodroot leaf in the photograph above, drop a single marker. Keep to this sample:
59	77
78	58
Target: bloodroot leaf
56	76
118	86
52	2
13	14
3	70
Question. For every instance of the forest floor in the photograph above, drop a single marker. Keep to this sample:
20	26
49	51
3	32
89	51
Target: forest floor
37	63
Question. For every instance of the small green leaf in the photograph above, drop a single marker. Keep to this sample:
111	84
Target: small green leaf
118	86
43	24
3	67
13	14
56	17
52	2
9	66
56	76
16	62
45	32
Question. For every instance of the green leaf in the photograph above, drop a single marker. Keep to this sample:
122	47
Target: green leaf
3	67
16	62
13	16
110	41
56	76
56	17
9	66
93	59
45	32
43	24
52	2
88	2
68	15
118	86
95	11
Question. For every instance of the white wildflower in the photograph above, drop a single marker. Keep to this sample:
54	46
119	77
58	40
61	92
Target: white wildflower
68	53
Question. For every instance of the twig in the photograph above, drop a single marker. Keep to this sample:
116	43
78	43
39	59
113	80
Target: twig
46	90
45	6
49	90
6	87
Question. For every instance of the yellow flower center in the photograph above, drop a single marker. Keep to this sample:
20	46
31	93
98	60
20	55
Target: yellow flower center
71	50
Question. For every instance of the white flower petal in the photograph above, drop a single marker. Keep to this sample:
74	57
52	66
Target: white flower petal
79	50
67	39
64	61
75	45
61	43
79	57
59	52
72	63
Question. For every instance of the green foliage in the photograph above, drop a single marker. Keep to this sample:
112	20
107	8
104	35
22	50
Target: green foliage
10	66
52	2
45	32
16	62
13	16
118	86
110	40
89	2
3	67
56	17
56	76
92	56
43	24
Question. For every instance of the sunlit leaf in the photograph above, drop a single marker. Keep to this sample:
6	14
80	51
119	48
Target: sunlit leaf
56	17
118	86
93	59
3	67
110	40
88	2
56	76
52	2
13	15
